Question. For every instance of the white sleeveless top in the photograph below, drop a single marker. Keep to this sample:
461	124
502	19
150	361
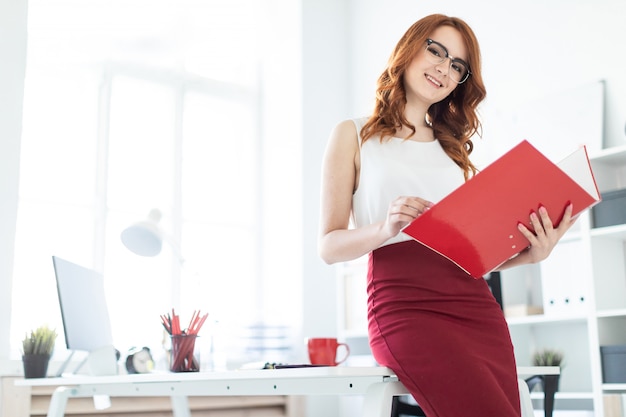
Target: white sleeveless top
398	167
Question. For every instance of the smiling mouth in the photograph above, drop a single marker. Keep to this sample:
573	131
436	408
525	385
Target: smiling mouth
434	81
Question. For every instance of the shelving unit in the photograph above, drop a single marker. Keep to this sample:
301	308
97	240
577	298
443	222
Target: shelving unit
595	269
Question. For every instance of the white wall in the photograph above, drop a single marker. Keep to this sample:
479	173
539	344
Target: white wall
325	80
13	58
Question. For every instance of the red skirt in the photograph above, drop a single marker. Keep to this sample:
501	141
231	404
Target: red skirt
442	332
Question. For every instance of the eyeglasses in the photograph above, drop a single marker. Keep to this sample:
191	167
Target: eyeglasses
436	53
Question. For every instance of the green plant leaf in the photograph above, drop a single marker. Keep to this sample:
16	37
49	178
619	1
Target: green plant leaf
548	357
40	341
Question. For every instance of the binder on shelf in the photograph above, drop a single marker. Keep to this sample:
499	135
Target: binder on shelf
475	226
564	278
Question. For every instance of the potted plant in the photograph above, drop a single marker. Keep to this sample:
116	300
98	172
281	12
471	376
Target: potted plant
37	348
547	357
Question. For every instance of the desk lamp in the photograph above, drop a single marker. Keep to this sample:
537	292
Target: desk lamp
144	238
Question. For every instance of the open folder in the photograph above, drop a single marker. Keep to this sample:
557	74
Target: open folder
475	226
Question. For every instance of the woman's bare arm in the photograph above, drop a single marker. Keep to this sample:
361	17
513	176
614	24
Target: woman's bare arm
337	242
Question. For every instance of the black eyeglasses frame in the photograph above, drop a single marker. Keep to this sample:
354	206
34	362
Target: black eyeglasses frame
452	59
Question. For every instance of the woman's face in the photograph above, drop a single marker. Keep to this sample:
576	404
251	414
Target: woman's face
431	82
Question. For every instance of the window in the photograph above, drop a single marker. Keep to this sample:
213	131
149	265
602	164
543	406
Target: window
136	105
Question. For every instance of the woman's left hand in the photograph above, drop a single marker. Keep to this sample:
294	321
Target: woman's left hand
546	236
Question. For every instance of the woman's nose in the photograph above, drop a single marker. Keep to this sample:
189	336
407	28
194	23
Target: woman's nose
443	67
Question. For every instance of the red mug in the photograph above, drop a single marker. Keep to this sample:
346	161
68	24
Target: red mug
323	351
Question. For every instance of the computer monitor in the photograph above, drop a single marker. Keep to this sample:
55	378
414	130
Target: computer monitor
85	315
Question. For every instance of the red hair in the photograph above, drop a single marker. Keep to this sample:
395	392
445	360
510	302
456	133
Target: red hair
454	119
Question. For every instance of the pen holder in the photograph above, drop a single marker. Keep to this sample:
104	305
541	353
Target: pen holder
182	357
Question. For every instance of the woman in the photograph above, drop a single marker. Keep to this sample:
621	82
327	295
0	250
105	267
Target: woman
441	331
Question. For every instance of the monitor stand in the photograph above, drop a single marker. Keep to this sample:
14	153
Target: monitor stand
101	361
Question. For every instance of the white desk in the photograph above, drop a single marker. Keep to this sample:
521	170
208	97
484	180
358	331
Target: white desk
377	384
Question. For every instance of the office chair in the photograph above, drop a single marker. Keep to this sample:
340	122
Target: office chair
399	407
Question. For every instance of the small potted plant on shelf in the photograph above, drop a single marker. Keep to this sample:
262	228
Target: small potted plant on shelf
37	348
548	357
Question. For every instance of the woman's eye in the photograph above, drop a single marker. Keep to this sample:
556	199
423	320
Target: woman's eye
434	52
460	68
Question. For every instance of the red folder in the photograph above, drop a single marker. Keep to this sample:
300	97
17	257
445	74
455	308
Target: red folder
475	226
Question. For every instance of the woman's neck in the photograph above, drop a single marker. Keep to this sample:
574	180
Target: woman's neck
416	115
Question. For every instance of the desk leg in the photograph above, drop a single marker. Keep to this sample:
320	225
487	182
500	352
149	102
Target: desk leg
58	401
180	406
379	396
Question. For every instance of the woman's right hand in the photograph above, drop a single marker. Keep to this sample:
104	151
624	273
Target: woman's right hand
402	211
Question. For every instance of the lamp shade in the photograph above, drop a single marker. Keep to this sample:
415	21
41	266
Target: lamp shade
144	238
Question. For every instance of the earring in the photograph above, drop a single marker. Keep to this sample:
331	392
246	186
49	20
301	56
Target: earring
427	120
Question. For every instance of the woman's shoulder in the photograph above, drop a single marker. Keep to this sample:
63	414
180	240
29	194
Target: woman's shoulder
345	131
350	127
345	137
